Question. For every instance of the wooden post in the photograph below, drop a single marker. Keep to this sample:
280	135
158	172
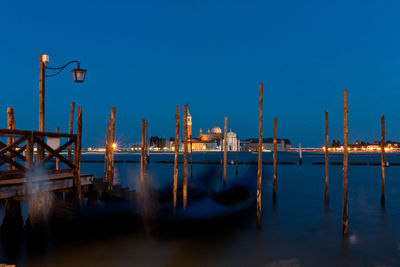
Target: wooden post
300	155
57	159
110	165
42	70
275	161
142	153
12	219
185	156
77	157
260	141
175	188
237	156
107	152
146	149
29	163
71	127
225	145
345	161
383	158
221	143
326	158
191	156
10	126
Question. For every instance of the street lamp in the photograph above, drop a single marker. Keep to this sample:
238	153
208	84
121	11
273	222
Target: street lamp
78	75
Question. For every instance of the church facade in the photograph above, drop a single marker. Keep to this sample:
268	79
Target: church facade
211	140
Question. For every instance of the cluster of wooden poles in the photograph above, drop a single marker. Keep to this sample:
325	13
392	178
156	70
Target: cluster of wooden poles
187	139
345	160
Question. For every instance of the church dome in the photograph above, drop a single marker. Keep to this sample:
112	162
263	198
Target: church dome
216	130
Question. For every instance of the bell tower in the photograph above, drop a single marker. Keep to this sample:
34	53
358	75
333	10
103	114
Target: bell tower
189	122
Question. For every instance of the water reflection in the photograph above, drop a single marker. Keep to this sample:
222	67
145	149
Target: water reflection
298	229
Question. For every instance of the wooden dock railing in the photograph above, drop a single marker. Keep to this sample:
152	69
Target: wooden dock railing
26	165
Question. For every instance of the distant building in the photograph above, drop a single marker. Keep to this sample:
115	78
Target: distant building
209	141
232	144
251	144
212	140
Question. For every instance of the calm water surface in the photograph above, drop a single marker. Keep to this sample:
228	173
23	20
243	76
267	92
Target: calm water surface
297	230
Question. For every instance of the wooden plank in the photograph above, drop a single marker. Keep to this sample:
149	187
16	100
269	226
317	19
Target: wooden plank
20	190
15	153
12	162
19	133
13	145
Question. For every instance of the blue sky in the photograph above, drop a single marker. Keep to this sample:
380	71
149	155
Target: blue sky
146	57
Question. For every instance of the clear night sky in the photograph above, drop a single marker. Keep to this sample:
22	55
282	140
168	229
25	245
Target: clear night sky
146	57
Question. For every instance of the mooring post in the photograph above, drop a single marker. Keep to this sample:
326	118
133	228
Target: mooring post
42	70
71	127
275	161
259	170
107	152
222	157
326	158
142	153
175	189
77	156
191	156
57	159
383	158
237	156
225	145
345	161
300	155
185	156
110	165
10	126
146	149
29	162
12	220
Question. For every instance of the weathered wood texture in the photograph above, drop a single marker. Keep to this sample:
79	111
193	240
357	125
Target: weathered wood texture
237	155
71	127
260	140
275	150
42	70
110	165
345	161
185	154
11	126
77	157
57	159
191	156
326	157
383	157
19	187
175	186
146	149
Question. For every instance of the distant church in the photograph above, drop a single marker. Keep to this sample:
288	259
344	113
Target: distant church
212	140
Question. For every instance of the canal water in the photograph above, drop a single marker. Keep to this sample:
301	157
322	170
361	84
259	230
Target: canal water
296	230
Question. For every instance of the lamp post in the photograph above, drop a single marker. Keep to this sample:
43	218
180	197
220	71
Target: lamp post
78	75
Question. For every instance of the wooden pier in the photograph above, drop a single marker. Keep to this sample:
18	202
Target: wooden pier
30	174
